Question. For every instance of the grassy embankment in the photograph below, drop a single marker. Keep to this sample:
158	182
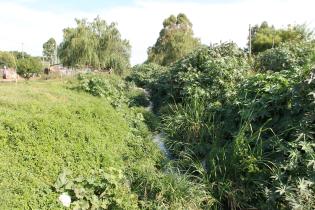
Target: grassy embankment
47	128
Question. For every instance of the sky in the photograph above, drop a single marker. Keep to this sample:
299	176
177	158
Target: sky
27	24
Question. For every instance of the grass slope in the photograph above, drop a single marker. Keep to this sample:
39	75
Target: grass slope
47	128
44	128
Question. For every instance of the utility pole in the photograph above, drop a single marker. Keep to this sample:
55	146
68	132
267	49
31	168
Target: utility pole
250	41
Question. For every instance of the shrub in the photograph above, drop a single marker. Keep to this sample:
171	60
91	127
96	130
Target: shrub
108	86
145	75
276	59
285	57
28	67
204	86
210	72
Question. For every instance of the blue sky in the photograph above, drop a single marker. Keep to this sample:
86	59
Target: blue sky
32	22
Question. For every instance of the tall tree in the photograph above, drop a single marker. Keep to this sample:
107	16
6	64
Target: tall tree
175	41
95	44
49	50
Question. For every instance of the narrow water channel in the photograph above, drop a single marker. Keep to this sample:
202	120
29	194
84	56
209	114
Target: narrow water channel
158	139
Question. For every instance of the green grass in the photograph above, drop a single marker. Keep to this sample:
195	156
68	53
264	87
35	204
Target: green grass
48	126
45	128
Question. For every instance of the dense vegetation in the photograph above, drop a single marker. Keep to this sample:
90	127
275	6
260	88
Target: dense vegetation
251	126
239	128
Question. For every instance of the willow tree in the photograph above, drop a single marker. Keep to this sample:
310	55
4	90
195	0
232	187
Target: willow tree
112	51
175	41
94	44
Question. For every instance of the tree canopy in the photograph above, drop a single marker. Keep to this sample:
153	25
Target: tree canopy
7	59
175	41
265	36
49	50
95	44
19	54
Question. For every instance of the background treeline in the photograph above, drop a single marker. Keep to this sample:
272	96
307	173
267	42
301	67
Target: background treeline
24	64
92	45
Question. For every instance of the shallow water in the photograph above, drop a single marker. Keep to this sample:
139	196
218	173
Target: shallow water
150	107
158	138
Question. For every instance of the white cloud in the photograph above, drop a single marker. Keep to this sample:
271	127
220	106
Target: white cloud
31	27
141	22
